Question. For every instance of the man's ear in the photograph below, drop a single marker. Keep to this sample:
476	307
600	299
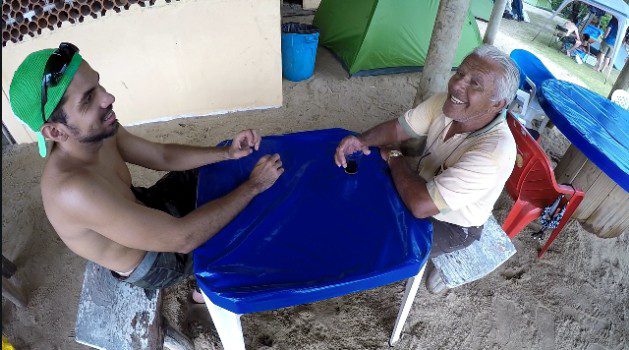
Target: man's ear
54	132
500	105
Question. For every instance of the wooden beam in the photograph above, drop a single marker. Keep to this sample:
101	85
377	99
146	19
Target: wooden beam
622	82
13	293
8	268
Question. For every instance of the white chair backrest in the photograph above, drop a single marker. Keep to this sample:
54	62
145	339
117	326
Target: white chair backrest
621	97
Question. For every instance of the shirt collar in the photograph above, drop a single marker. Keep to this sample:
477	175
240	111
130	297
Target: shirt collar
487	128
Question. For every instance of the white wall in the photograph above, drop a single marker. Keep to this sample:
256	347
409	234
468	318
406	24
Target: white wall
179	59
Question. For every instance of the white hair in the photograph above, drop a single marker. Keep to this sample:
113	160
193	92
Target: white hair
509	81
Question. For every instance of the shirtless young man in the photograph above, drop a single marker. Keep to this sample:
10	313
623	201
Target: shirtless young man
144	236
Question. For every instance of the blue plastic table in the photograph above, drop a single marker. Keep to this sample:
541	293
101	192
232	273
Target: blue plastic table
595	125
598	160
317	233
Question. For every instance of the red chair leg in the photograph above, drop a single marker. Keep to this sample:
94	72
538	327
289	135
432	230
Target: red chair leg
570	209
520	215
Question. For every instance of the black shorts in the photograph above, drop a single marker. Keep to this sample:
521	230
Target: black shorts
175	193
449	237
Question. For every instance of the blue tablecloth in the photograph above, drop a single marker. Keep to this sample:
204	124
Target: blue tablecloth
596	126
317	233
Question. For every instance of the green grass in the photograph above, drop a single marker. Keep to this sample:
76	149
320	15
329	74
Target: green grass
544	45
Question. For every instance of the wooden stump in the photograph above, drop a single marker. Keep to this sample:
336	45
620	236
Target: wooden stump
604	210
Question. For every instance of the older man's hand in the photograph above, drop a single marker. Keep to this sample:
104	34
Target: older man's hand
243	144
384	153
347	146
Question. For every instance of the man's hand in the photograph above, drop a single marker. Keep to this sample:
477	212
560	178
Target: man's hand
384	153
266	172
347	146
243	144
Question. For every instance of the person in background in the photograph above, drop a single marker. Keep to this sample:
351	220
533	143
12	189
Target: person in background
581	45
607	45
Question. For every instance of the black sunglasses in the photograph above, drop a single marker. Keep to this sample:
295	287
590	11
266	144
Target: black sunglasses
54	69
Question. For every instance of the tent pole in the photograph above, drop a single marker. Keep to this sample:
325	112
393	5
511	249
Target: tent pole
561	7
494	21
444	41
588	19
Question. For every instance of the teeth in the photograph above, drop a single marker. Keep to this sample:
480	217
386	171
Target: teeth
456	100
109	114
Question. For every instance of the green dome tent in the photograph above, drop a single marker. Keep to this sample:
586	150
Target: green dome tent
481	9
385	36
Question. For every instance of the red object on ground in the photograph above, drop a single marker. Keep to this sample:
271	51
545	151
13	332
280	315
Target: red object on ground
533	187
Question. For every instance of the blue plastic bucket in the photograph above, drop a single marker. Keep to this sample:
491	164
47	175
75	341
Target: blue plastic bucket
299	50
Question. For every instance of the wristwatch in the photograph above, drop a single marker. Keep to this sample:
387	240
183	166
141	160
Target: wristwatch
394	153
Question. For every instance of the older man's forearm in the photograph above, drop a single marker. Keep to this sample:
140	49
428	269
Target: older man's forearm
412	189
384	134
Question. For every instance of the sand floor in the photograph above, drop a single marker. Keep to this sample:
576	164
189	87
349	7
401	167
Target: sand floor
576	297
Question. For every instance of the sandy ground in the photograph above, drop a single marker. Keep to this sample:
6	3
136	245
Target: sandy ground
577	297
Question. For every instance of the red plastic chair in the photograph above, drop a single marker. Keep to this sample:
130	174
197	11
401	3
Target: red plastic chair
533	187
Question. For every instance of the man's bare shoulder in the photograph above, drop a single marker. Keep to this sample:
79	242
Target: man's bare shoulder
63	191
68	192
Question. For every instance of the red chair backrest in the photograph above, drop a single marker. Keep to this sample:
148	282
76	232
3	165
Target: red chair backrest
532	178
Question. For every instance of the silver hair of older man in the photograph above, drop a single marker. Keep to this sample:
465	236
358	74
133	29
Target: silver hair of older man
509	81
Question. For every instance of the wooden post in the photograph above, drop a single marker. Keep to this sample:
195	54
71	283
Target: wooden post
8	268
443	44
13	293
494	21
9	290
622	82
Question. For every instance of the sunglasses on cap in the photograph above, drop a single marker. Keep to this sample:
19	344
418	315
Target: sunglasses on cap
53	71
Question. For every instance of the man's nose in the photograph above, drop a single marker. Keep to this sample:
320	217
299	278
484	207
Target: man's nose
460	84
108	100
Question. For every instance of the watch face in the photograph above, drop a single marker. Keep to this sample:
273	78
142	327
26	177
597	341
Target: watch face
395	153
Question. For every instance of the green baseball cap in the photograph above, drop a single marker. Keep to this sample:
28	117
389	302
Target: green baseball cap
25	92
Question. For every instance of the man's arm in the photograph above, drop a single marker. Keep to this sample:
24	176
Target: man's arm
174	157
411	188
383	134
94	204
413	123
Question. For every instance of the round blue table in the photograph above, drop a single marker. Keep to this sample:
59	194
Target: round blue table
598	159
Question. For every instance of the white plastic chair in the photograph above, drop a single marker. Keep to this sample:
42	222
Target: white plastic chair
529	109
621	97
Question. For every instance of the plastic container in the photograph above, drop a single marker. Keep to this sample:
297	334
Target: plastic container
299	50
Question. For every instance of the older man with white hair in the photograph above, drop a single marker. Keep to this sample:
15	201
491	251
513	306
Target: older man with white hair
469	152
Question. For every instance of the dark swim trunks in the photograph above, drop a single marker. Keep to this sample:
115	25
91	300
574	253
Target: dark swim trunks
449	237
175	193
